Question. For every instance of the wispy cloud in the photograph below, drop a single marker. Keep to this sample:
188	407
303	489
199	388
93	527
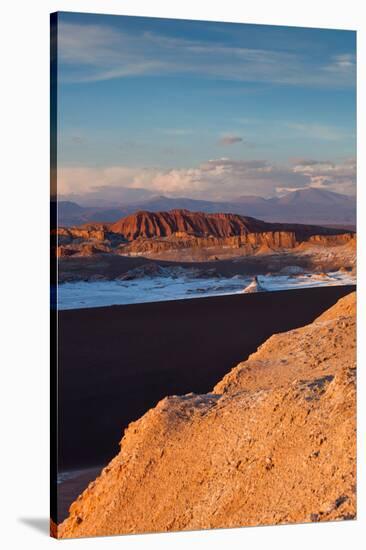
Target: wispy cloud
342	62
230	139
318	131
91	52
78	140
175	131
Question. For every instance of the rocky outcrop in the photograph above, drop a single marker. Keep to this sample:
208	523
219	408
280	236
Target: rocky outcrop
273	443
333	240
183	223
86	232
254	286
82	249
249	242
161	232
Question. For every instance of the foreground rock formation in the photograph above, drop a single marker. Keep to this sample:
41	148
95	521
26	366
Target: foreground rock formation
273	443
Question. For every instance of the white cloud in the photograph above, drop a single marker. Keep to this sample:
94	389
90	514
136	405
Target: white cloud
81	179
339	177
100	52
217	179
342	62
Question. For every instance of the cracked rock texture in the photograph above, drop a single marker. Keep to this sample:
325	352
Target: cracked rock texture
274	442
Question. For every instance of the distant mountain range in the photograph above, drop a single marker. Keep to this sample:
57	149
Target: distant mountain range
308	206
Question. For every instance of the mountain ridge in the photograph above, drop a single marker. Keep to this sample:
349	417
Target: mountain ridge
311	206
184	223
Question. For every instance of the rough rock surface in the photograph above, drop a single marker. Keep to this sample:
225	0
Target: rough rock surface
254	286
183	223
273	443
250	243
146	233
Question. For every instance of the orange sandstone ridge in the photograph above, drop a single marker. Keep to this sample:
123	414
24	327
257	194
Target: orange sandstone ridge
159	232
183	222
273	443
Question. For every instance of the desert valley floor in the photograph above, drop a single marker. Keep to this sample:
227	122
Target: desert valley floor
233	315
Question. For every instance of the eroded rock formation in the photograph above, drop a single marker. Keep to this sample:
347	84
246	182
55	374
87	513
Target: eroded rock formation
158	232
273	443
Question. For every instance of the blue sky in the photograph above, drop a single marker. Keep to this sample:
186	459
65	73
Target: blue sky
208	110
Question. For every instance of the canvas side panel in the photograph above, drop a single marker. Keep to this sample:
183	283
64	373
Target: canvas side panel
53	278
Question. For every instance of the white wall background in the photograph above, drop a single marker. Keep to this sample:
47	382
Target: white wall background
24	123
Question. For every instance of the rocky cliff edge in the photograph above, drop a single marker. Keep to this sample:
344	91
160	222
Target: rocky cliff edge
273	443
